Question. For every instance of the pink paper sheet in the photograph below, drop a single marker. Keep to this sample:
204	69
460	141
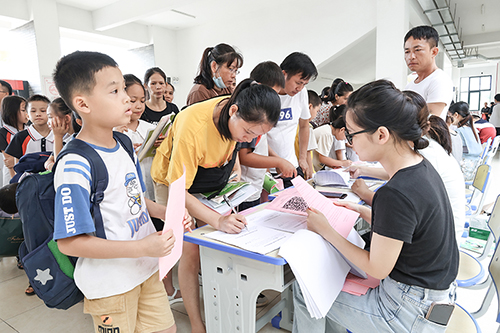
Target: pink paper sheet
340	218
354	288
369	282
289	201
174	217
357	286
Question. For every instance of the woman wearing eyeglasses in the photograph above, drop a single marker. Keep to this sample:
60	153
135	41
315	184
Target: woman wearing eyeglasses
413	249
217	73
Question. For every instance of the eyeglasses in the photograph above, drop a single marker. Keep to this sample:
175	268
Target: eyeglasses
234	71
349	136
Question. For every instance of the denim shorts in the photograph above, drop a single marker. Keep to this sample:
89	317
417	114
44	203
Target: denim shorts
391	307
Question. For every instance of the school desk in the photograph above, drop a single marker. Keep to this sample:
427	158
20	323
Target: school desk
233	278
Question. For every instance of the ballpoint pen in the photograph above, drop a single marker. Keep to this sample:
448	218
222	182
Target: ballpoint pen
231	206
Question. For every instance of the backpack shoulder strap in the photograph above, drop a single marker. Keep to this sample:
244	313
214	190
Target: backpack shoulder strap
99	177
126	143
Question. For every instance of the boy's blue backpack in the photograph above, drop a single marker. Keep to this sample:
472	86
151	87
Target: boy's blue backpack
49	271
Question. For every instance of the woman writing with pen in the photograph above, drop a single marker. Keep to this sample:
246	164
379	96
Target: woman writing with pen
203	140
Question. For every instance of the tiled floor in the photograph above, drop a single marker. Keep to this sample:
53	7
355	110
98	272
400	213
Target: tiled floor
20	313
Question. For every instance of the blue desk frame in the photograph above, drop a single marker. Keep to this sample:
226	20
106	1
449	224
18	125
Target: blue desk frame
232	280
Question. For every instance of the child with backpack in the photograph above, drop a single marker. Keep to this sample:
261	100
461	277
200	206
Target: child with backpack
117	275
14	118
37	137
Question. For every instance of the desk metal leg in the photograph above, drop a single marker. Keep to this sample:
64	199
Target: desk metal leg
231	285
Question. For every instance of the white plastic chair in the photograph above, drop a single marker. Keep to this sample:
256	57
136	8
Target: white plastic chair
492	151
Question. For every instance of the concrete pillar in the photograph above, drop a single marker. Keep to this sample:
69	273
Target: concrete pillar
165	50
455	77
46	24
392	25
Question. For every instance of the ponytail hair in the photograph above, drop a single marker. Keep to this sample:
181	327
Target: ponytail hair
221	54
462	108
340	88
380	103
338	123
440	132
336	112
257	103
324	94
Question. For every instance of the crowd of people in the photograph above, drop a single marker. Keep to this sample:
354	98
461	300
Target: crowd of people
426	146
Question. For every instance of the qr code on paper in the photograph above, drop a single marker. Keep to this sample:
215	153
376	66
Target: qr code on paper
297	204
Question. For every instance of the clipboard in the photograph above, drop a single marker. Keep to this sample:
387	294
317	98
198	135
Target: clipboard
147	148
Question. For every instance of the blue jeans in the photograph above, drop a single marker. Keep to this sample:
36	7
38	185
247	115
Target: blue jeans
391	307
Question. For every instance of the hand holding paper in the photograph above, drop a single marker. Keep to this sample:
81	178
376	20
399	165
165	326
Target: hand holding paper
341	219
174	220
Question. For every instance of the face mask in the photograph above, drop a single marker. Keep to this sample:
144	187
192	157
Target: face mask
218	82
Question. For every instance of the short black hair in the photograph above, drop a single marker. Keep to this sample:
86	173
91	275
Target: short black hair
314	99
75	73
497	97
268	73
425	32
38	98
299	63
6	85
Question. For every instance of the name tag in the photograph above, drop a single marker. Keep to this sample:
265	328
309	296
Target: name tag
286	114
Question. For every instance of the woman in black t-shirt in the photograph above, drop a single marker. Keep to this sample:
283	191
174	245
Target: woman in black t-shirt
155	82
413	249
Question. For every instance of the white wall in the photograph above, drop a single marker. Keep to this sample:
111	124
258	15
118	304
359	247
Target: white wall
318	29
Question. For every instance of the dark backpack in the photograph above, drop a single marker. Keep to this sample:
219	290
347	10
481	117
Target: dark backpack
33	162
49	271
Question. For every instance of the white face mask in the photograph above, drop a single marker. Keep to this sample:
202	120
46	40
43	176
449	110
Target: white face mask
219	82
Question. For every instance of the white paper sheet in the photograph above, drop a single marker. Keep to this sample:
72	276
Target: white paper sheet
253	238
319	269
277	220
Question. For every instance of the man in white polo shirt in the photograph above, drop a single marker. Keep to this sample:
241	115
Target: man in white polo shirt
432	83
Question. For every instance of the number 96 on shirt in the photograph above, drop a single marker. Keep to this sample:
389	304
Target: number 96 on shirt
286	114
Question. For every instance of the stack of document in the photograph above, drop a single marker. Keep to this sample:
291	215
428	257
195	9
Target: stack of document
266	231
319	268
229	190
337	177
236	198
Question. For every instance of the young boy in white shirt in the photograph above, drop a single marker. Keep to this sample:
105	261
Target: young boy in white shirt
117	275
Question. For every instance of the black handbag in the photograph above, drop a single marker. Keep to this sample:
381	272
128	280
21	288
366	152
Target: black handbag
11	236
